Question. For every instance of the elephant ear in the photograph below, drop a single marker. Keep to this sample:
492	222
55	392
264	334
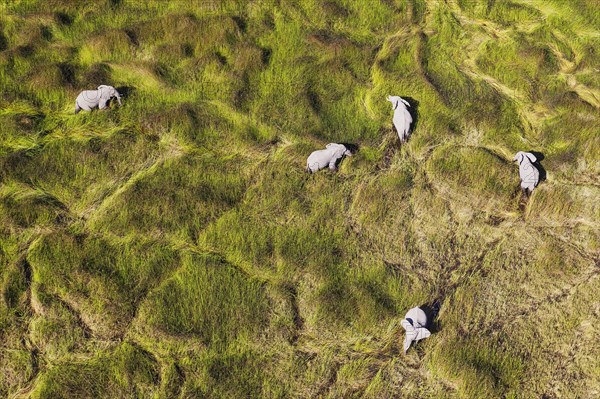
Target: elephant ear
531	157
330	145
518	157
107	91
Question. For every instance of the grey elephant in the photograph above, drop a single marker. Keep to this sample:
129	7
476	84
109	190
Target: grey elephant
530	175
90	99
414	323
320	159
402	118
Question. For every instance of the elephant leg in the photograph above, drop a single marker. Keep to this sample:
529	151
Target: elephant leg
333	164
102	103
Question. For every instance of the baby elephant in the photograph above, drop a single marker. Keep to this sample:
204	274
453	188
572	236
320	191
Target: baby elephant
329	156
402	118
90	99
530	175
414	323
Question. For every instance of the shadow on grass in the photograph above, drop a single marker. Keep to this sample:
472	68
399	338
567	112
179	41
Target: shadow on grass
115	3
431	311
414	113
68	74
353	149
125	92
3	40
539	157
63	18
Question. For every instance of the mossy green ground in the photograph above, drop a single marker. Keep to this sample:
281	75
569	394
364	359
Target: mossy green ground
175	247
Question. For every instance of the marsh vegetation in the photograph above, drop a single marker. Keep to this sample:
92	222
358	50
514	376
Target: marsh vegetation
175	247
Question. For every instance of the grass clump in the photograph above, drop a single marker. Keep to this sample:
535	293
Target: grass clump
102	281
219	302
200	189
108	375
474	173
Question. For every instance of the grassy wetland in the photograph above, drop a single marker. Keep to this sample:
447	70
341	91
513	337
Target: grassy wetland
174	247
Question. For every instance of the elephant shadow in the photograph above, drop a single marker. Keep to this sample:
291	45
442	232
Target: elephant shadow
539	157
353	149
413	110
126	91
431	311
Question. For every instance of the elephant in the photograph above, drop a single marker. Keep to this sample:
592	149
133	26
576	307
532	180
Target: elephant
90	99
402	118
414	322
530	175
318	160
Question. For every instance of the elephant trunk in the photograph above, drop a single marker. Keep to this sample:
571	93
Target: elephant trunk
118	98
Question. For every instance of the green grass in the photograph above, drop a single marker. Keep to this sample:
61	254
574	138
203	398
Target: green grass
175	247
